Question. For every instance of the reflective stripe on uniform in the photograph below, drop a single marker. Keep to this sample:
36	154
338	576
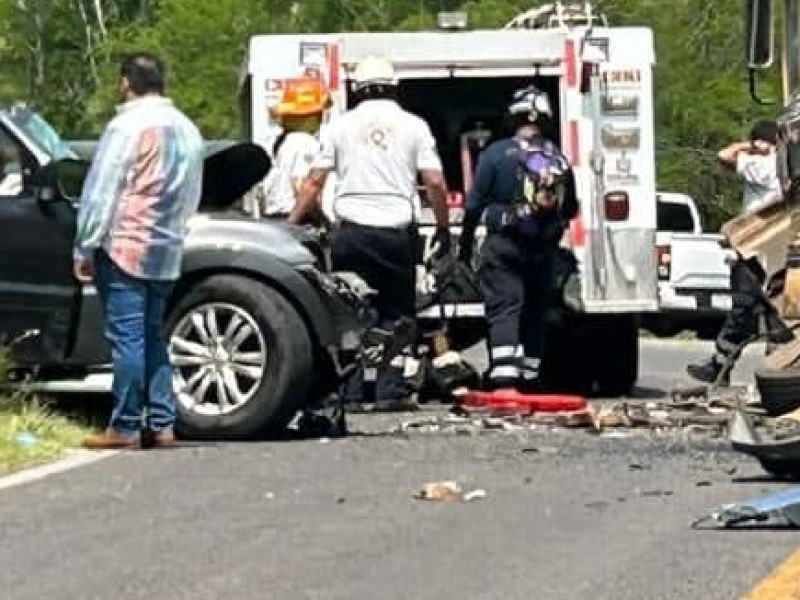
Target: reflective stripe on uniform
505	353
530	368
504	372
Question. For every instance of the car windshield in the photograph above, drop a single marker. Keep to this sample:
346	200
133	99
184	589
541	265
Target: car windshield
41	132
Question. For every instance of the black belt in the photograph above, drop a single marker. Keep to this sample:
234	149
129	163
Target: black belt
348	223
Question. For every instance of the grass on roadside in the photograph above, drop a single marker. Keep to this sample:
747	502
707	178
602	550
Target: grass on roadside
31	430
31	433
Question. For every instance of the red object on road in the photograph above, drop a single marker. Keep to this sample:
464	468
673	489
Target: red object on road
505	399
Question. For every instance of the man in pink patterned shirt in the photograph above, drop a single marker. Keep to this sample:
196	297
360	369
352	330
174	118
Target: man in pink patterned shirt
144	183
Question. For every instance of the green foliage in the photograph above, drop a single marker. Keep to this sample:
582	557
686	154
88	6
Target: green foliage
64	55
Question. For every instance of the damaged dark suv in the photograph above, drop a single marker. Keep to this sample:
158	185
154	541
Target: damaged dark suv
255	327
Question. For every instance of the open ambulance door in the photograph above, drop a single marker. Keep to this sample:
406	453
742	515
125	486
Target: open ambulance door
607	133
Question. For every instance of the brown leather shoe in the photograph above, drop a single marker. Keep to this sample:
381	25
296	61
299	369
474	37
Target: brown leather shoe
111	439
164	438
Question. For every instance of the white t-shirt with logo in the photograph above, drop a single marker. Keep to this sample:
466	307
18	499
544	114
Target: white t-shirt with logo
293	161
760	175
376	151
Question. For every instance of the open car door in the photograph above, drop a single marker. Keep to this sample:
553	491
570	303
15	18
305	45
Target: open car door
39	298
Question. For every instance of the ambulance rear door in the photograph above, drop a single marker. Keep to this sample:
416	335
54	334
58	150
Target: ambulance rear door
608	134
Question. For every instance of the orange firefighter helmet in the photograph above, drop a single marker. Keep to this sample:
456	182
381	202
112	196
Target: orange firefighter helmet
303	97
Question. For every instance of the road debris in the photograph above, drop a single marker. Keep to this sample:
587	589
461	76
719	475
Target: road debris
778	453
696	414
784	505
448	491
654	493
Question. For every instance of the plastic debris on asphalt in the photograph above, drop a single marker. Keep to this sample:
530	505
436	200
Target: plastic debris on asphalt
607	418
448	491
701	412
783	506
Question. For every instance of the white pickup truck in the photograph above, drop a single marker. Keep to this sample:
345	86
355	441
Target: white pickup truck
693	271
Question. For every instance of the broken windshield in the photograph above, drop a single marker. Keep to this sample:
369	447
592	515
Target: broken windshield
41	132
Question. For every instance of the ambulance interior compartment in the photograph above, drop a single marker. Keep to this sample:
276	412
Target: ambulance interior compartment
456	105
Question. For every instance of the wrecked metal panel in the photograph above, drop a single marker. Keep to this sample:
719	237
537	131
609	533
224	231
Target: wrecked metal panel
764	234
785	504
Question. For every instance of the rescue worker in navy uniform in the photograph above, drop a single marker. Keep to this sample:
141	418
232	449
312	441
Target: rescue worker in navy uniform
524	228
377	149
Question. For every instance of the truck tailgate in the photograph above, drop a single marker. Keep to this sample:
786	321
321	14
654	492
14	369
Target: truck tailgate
698	262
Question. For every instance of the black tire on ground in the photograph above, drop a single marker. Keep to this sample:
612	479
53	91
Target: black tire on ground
615	349
597	355
661	326
781	470
288	359
779	390
565	364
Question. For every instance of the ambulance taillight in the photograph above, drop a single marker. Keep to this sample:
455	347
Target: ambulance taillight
617	206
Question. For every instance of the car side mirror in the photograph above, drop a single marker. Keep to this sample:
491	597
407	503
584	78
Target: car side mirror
61	180
760	33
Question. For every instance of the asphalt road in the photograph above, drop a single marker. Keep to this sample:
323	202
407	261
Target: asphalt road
567	515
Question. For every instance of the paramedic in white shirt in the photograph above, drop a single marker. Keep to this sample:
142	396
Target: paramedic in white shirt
755	162
300	113
377	150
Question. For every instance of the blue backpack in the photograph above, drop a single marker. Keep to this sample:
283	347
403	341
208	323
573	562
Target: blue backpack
542	170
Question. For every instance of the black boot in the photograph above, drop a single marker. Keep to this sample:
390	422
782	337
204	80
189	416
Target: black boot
710	370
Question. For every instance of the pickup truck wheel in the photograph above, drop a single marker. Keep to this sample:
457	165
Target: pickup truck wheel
615	351
242	358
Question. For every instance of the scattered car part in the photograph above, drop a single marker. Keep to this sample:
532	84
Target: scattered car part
513	401
780	458
784	504
448	491
779	390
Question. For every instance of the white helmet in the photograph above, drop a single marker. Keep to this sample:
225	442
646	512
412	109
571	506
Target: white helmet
530	100
374	71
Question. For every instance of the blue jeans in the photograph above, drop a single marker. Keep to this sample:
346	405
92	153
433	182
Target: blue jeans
134	313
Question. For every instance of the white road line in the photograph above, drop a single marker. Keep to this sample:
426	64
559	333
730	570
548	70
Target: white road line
73	460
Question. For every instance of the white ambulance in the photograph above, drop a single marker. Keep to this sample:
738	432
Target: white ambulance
599	79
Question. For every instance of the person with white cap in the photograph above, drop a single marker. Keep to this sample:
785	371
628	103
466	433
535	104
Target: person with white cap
377	150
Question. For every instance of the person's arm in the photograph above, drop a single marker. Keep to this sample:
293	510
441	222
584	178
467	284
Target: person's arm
729	156
429	166
477	199
436	187
307	206
104	182
301	163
